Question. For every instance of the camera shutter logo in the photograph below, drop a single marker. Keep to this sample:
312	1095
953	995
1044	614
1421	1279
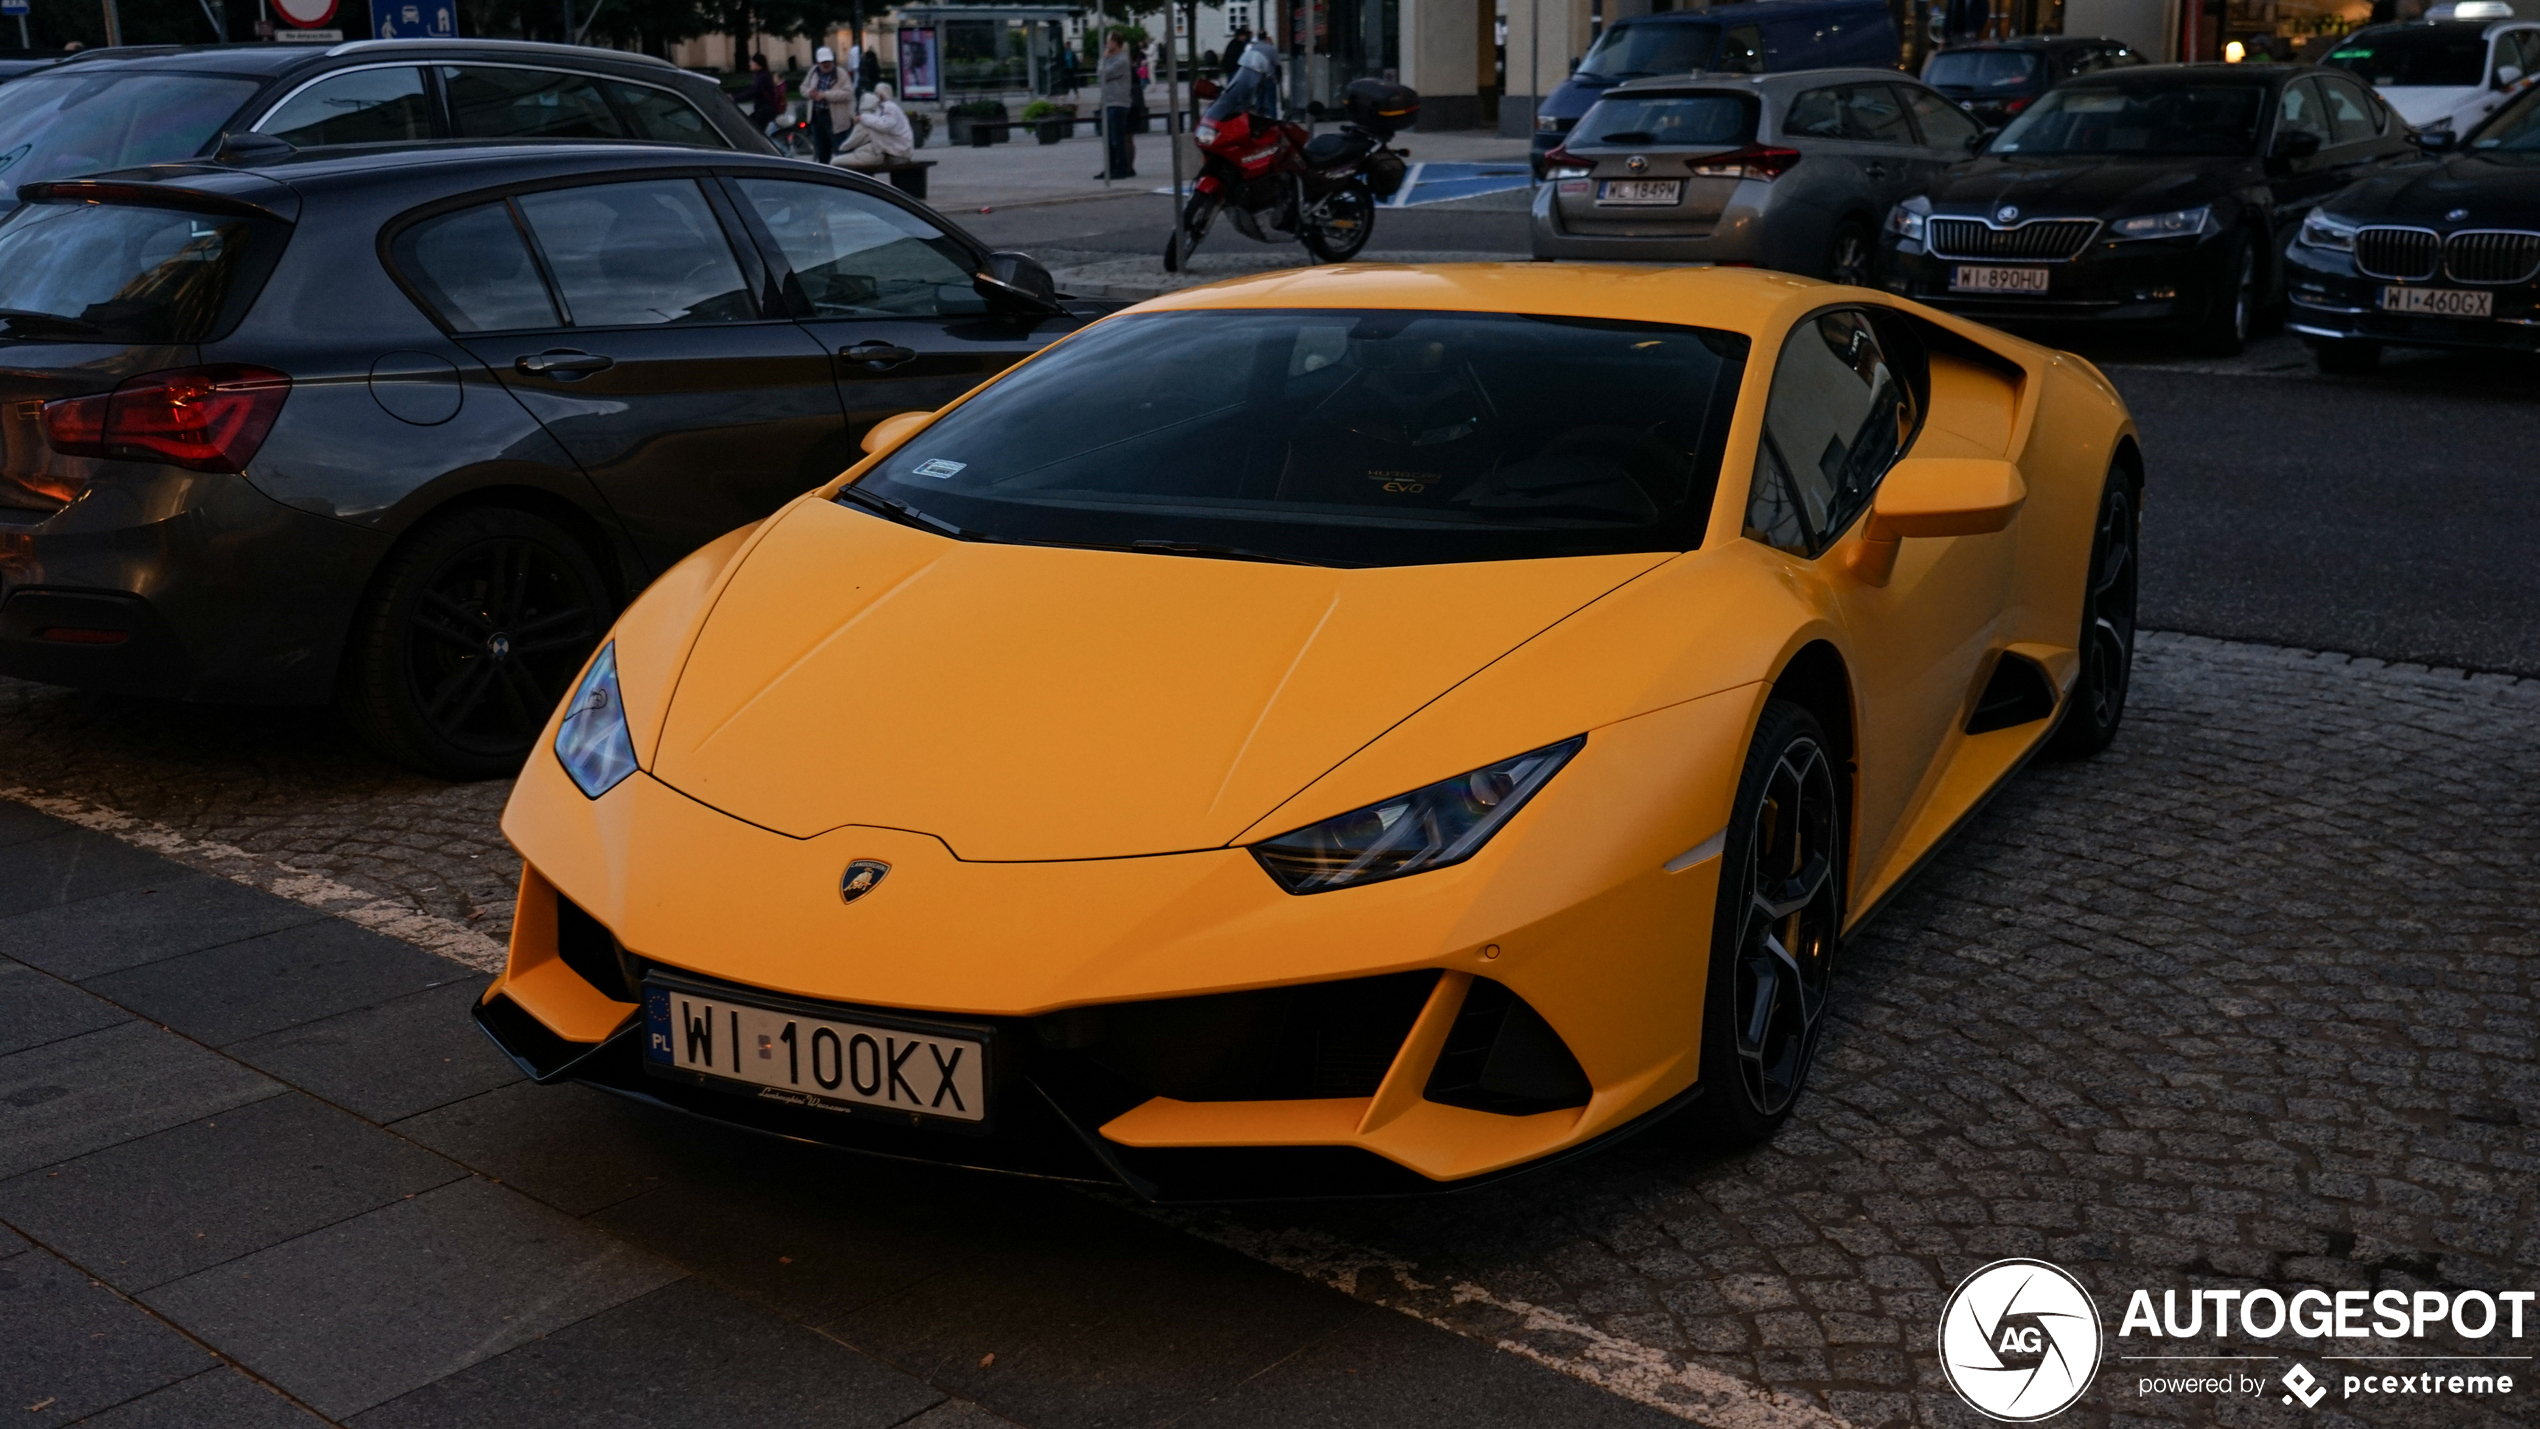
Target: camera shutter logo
2305	1385
2019	1340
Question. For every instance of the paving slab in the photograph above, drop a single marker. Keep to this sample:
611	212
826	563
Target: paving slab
164	1206
69	866
69	1098
286	979
11	1242
395	1060
215	1399
574	1148
685	1355
357	1314
37	1007
69	1346
180	911
957	1414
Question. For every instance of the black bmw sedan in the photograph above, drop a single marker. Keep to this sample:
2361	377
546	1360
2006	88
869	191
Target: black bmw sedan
404	429
2446	257
2157	197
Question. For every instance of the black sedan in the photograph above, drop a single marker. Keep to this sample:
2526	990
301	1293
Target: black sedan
405	429
2448	257
2158	196
1994	80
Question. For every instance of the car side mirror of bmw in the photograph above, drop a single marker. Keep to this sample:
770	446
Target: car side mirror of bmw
1018	283
2434	141
892	430
1935	496
2295	145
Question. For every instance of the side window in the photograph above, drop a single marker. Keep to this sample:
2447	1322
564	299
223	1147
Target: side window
1742	50
492	102
1816	114
2119	55
660	114
363	106
473	268
2521	49
860	257
2079	60
2300	111
1839	415
1875	114
2350	115
1944	125
635	254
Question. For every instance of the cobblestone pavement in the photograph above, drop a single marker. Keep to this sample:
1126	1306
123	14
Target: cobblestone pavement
2245	1001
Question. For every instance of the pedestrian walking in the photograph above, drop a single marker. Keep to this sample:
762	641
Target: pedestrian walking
1118	76
1235	47
827	89
882	135
765	101
868	72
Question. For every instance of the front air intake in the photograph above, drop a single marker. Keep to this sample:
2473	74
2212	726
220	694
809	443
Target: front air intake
1501	1056
1321	1040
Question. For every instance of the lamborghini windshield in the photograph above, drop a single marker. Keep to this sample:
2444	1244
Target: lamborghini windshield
1336	437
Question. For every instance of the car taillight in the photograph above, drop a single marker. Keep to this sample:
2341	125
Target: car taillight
1562	164
199	418
2016	105
1755	161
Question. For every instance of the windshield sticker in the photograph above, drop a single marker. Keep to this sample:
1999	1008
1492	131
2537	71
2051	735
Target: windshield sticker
939	468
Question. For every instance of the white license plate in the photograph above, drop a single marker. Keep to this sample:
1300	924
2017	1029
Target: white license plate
807	1061
1967	278
1649	192
2440	302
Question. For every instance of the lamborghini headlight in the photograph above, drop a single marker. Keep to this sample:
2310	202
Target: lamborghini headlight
1428	828
2177	223
593	743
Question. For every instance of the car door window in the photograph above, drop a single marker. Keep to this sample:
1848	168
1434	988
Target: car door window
2079	60
473	268
1838	417
638	254
499	102
1874	114
1944	125
2350	116
1816	114
855	255
363	106
1742	50
661	115
2300	111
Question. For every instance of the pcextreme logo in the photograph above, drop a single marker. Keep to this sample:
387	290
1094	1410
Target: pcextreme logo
2019	1340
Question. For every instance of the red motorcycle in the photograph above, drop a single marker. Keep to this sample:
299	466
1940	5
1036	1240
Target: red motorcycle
1277	183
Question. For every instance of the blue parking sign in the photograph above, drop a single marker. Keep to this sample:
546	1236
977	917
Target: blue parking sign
13	7
406	19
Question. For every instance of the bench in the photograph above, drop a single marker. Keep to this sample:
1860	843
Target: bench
984	132
908	175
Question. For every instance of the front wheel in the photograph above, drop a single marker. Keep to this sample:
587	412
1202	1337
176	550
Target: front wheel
1777	929
1197	216
2234	314
1848	254
2097	704
1348	219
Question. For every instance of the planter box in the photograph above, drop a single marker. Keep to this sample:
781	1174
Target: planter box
1053	129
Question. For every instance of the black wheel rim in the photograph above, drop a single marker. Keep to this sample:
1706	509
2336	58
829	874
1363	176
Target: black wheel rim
491	640
2108	638
1851	259
1785	951
2244	297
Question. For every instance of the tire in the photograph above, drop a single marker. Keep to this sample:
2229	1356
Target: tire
1352	211
1778	928
2097	704
1849	254
1197	216
472	633
2226	329
2346	357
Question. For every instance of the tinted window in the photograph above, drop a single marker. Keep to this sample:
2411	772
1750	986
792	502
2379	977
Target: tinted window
858	257
474	269
660	114
1742	51
1816	114
1840	414
60	126
2096	117
1981	70
2435	55
640	253
1875	114
2350	115
1637	51
1341	437
124	273
1693	120
1944	125
2300	111
489	102
363	106
2514	130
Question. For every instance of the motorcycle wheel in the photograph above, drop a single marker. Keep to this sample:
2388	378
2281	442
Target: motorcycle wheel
1349	219
1197	215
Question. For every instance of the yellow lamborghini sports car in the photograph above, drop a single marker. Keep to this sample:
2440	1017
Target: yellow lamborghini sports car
1350	731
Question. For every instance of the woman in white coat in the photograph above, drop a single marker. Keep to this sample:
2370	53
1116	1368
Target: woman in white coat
881	137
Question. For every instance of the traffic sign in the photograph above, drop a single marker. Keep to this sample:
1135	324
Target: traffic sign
13	7
418	20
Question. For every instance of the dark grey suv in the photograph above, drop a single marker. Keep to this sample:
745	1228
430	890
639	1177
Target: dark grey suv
406	428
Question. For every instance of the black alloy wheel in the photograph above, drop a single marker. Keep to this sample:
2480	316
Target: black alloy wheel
1848	254
1347	220
2234	315
1197	216
477	624
2346	356
2097	704
1777	930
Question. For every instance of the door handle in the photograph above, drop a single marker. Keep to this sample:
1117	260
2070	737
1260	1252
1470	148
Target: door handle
1877	171
878	356
564	364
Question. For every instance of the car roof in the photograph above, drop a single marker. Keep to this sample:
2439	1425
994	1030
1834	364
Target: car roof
458	163
2028	42
2153	76
1730	299
2482	28
1749	9
271	59
1775	84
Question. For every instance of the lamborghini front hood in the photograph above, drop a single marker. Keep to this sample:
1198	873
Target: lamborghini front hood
1027	703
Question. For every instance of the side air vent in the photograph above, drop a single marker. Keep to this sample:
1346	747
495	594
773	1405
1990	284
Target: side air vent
587	947
1321	1040
1501	1056
2019	693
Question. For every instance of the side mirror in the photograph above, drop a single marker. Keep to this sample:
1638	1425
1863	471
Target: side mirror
2506	75
2435	141
2295	144
1017	281
893	430
1935	496
1981	140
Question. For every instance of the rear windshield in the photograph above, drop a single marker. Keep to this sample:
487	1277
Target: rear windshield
121	273
1638	51
1338	437
1707	121
65	126
1982	70
2435	56
2217	118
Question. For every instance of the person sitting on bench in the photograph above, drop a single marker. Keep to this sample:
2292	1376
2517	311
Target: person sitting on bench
881	137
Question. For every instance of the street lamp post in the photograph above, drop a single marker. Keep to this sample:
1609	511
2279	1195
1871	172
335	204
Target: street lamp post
114	25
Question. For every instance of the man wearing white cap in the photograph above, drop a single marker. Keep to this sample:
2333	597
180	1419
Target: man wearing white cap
828	89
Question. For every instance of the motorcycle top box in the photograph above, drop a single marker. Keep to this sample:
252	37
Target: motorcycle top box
1381	108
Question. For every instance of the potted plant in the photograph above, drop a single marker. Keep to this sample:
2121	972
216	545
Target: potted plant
966	131
1050	121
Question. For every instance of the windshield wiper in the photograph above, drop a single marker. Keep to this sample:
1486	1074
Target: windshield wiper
906	514
55	322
